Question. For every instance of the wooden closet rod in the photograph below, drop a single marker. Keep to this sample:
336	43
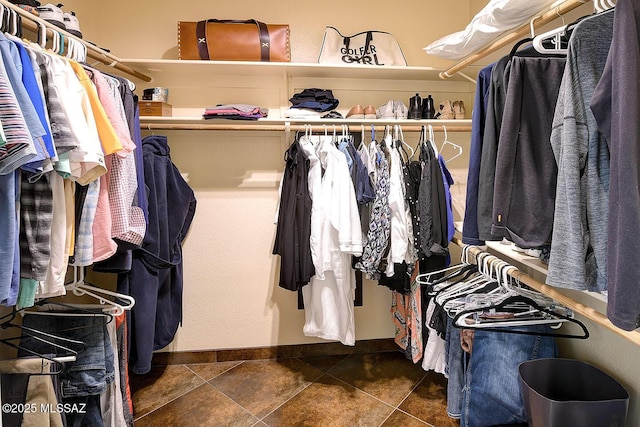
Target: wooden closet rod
550	291
281	127
32	23
514	36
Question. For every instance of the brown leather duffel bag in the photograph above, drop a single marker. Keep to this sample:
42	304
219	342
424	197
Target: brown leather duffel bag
233	40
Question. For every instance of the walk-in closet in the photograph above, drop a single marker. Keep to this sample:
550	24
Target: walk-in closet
301	242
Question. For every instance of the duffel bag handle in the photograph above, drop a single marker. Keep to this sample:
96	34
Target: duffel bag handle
203	46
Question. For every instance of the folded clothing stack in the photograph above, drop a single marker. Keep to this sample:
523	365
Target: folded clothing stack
235	112
301	113
314	99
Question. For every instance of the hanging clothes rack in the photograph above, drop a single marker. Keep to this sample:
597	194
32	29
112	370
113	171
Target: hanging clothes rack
301	127
33	23
588	312
513	36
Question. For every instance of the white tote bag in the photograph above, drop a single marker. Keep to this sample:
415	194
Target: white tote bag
365	48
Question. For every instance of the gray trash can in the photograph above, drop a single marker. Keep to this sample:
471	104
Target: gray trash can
570	393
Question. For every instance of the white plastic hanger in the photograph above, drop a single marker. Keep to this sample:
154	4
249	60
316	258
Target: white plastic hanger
599	6
42	34
79	287
55	41
446	143
555	37
432	140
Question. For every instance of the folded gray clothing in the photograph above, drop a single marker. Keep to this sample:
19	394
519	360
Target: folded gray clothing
237	108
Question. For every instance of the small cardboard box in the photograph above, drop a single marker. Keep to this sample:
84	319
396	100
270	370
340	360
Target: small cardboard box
154	108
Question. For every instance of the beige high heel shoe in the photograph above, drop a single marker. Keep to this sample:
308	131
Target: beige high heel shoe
446	111
459	111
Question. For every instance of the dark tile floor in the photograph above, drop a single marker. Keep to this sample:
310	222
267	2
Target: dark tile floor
373	389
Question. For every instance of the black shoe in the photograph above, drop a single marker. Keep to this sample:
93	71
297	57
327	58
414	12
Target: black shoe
428	108
414	107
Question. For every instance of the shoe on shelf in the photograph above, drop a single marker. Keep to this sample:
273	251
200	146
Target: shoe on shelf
446	111
394	109
415	107
52	14
400	111
333	114
458	110
428	108
356	112
385	111
369	112
72	24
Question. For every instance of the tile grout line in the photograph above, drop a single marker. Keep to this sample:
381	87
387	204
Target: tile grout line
286	401
360	390
216	376
175	398
301	390
395	408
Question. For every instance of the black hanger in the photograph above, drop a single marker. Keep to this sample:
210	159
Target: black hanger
41	336
465	271
516	46
504	304
485	287
69	310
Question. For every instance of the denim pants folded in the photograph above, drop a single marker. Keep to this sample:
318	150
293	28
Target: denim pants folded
89	416
93	367
455	371
492	392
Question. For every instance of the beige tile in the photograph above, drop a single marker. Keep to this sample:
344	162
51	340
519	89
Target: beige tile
260	386
387	376
428	401
208	371
160	386
329	402
203	406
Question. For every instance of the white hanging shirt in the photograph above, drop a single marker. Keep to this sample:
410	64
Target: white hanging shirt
329	309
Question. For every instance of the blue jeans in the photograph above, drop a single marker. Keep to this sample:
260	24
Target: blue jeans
91	414
455	371
93	367
492	392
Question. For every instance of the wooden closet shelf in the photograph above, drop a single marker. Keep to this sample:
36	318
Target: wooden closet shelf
175	69
283	126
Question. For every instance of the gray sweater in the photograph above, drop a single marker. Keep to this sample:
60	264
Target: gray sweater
578	257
